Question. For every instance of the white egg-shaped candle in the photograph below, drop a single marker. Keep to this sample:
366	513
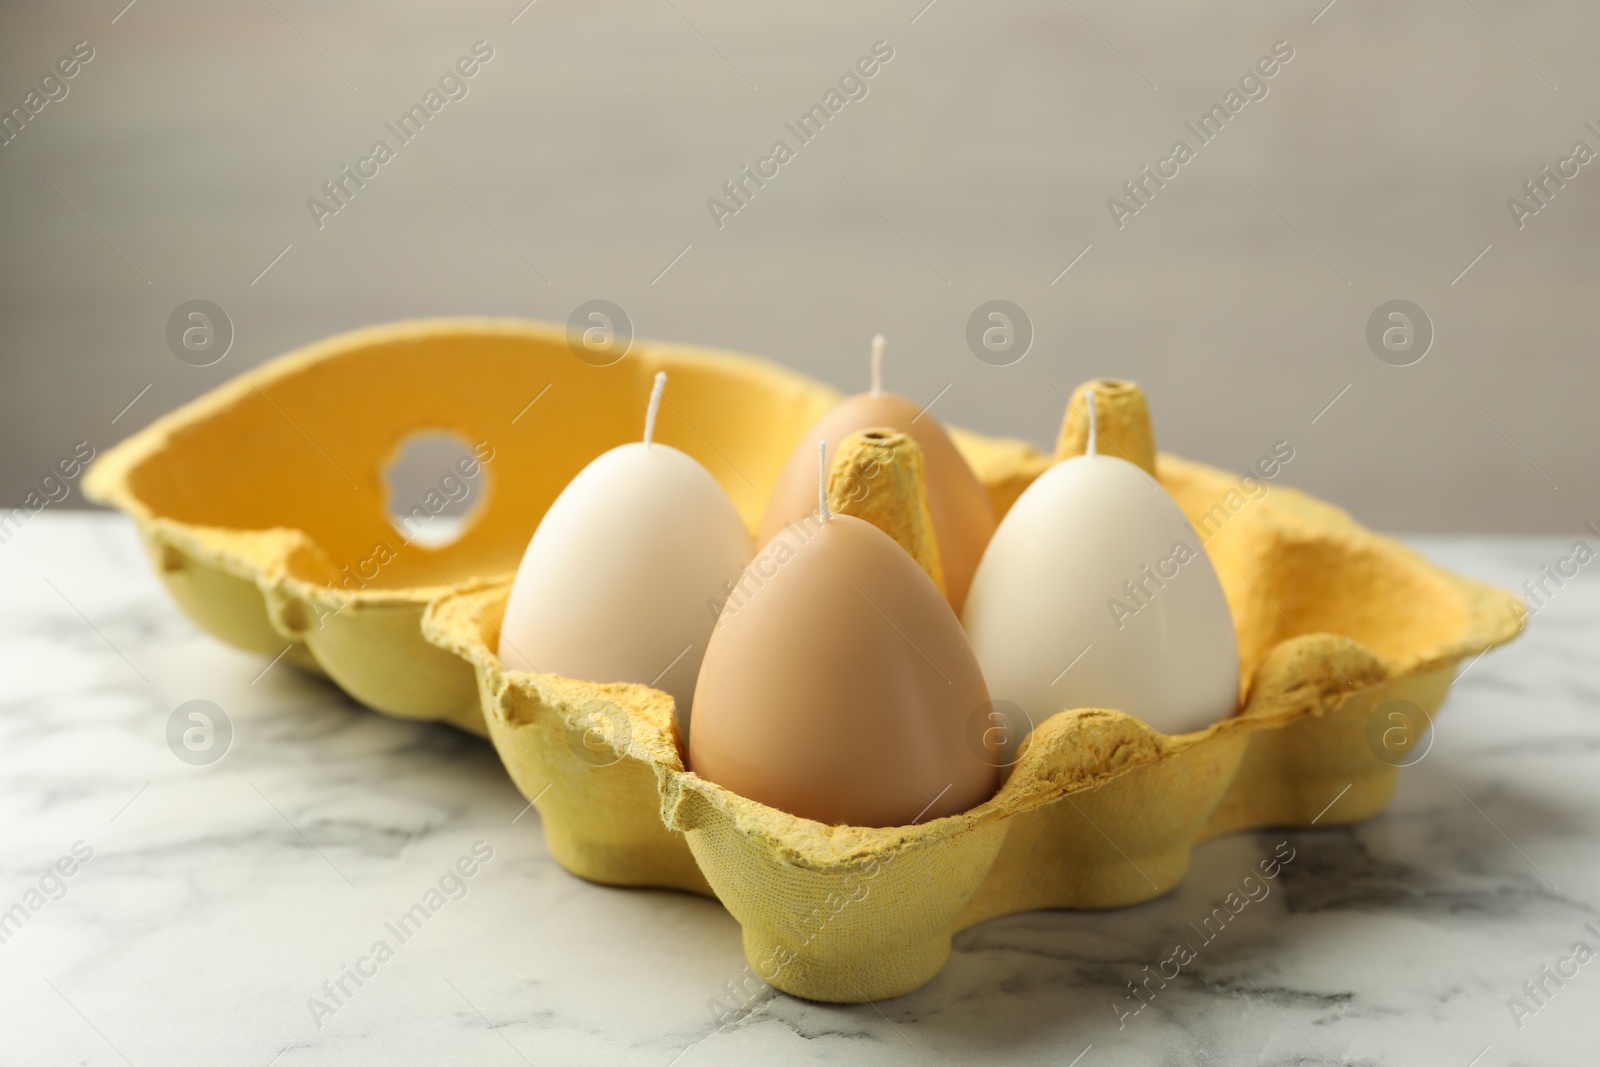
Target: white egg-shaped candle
1096	592
615	583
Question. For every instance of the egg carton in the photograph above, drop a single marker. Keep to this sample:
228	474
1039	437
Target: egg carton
261	499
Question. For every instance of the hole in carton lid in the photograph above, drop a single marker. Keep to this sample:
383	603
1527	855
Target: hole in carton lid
434	487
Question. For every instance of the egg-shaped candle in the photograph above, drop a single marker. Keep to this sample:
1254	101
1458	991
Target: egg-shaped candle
840	686
615	583
963	519
1096	591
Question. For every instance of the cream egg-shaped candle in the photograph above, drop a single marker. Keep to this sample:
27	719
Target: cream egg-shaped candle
963	518
1095	591
840	687
615	583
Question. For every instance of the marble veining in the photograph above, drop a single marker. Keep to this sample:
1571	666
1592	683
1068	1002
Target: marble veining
219	900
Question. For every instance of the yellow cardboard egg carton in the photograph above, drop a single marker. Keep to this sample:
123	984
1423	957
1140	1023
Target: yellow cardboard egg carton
255	498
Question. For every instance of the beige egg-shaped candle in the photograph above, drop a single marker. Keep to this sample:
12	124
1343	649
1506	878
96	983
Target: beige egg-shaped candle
614	585
1097	592
840	687
963	519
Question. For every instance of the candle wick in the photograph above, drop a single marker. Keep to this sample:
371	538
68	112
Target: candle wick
878	341
655	405
822	481
1088	398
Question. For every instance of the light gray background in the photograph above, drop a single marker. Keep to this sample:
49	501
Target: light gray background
979	166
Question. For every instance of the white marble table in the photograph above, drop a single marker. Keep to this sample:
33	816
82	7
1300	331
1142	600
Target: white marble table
218	899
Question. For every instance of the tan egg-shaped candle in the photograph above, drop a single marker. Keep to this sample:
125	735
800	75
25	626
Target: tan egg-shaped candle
615	583
1096	592
963	519
840	686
